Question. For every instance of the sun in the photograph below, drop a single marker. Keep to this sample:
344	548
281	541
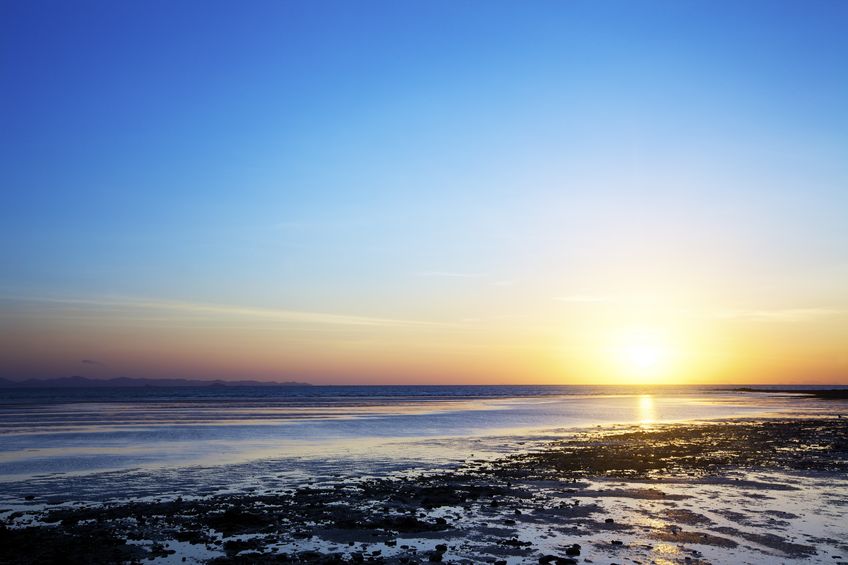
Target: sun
643	355
644	358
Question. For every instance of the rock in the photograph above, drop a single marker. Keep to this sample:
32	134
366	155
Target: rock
617	542
573	550
609	521
442	547
435	557
515	542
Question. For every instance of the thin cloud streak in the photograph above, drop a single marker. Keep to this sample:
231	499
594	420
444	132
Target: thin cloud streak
779	315
585	298
450	274
199	308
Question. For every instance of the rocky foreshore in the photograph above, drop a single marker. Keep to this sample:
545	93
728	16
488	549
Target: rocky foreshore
716	492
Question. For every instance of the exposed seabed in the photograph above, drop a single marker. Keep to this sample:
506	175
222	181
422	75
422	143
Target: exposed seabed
733	491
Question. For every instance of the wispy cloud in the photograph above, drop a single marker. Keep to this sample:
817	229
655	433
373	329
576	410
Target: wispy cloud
586	298
450	274
92	362
778	314
173	307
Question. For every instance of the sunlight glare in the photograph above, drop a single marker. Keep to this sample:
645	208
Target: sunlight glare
647	411
643	355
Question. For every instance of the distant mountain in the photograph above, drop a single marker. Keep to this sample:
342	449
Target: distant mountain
85	382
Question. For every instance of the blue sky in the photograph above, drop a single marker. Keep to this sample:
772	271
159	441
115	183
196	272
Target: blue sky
434	161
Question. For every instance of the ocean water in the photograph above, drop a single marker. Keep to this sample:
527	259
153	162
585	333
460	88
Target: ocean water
73	432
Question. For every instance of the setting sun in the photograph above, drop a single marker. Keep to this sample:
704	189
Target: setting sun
643	355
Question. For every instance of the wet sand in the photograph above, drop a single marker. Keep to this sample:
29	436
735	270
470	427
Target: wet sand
734	491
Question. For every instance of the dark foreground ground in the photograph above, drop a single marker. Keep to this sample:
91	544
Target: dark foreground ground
744	491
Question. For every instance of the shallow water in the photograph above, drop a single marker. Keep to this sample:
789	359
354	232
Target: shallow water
73	431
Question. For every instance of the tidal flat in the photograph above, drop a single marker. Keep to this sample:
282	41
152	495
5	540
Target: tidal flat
744	490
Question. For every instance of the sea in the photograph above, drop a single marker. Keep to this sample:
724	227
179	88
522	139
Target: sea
73	433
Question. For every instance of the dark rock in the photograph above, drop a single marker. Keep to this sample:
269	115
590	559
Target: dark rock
234	546
238	520
515	542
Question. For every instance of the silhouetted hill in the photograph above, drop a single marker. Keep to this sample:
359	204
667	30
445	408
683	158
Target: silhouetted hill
85	382
827	394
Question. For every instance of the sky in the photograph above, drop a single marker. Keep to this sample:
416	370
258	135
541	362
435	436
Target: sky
425	192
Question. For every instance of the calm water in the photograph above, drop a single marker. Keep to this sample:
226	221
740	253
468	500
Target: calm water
72	431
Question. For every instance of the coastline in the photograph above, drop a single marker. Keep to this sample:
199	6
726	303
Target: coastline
821	393
657	492
128	430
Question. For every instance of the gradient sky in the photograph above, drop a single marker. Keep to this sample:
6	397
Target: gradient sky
424	192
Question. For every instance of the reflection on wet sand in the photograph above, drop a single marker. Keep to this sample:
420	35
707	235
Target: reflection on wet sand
191	428
647	412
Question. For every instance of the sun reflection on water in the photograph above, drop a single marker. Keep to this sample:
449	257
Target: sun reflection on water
647	410
666	554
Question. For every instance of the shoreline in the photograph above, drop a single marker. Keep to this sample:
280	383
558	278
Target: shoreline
77	438
824	394
648	492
